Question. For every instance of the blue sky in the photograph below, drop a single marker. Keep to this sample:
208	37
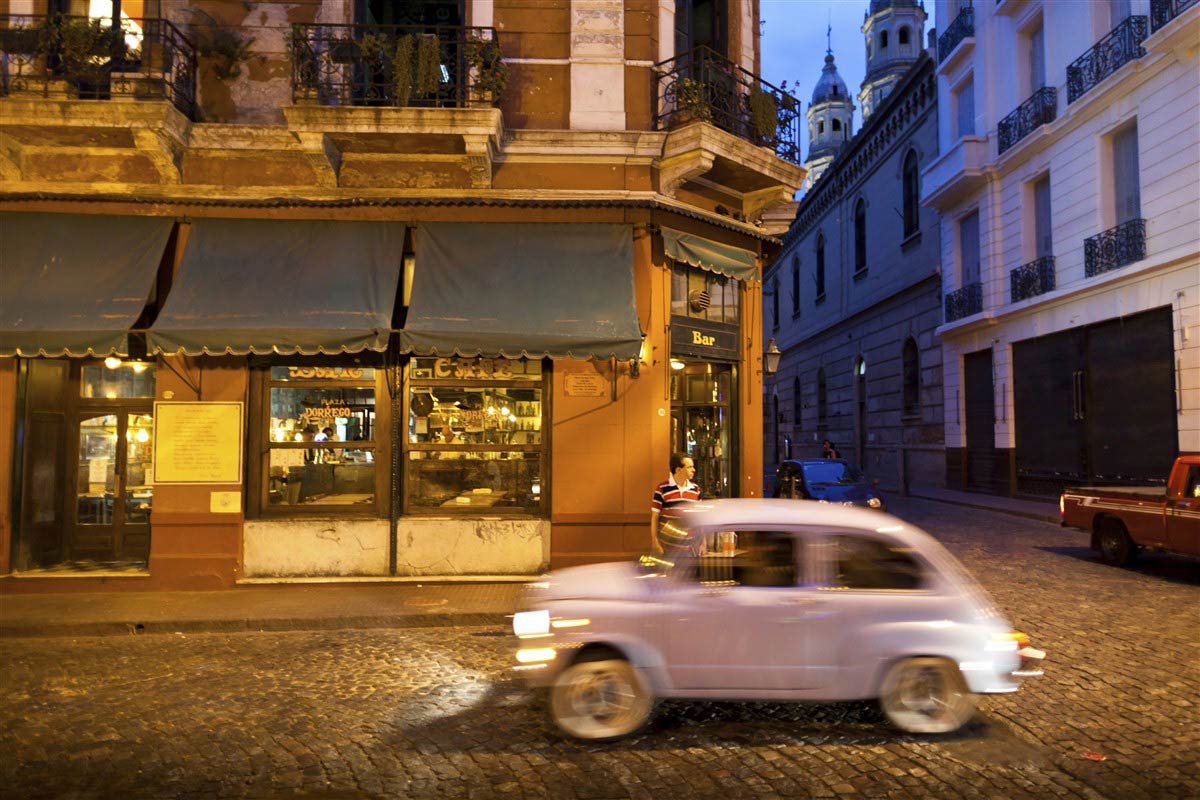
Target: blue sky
793	43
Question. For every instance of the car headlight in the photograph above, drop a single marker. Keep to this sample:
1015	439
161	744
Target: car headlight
874	502
531	623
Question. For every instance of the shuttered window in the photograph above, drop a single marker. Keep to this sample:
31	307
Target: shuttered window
1042	229
968	248
1127	191
965	103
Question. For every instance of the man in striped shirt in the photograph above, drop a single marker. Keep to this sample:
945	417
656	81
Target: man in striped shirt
675	491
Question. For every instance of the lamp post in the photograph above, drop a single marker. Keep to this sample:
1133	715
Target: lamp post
771	357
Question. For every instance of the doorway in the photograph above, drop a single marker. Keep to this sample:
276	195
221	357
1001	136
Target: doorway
980	420
703	424
85	488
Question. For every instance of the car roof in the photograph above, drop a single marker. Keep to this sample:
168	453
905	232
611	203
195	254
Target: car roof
751	511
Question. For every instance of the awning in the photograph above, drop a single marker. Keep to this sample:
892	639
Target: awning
523	289
282	286
73	284
722	259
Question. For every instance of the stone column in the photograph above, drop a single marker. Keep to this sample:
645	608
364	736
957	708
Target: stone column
598	65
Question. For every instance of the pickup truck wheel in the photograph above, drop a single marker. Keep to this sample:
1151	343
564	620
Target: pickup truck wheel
926	695
1114	544
600	700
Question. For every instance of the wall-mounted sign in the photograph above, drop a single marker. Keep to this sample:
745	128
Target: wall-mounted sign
326	373
585	384
690	337
477	368
198	442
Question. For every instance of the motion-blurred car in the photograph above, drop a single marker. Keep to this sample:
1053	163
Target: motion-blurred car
770	600
832	480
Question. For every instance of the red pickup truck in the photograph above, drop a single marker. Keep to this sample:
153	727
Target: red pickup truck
1123	520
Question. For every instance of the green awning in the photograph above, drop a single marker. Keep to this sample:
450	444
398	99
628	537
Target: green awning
562	290
73	284
722	259
282	286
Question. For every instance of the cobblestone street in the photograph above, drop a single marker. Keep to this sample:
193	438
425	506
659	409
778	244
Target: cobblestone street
424	713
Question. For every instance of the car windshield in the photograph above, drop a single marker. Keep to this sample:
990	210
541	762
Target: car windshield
830	472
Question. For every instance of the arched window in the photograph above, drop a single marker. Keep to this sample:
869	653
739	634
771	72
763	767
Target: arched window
821	126
820	267
860	235
904	35
796	399
883	40
795	286
912	194
837	124
822	400
912	378
775	303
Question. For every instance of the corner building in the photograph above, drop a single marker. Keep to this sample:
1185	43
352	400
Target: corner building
1070	233
405	289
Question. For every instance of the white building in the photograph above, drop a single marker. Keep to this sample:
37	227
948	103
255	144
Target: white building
1067	183
855	296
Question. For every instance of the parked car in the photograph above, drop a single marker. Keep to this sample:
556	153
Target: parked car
1124	520
767	599
832	480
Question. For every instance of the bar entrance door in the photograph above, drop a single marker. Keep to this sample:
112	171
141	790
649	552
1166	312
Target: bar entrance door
703	424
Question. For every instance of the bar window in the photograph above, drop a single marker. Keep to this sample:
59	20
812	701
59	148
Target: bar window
322	438
475	440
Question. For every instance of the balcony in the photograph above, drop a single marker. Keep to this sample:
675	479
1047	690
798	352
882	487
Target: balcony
962	28
1115	248
1038	110
399	66
1163	11
80	58
964	302
702	85
956	173
1032	279
1122	45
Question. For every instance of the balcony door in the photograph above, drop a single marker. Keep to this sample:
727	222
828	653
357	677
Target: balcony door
701	23
409	12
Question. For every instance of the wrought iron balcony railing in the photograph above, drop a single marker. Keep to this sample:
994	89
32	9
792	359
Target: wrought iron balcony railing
962	27
964	302
703	85
1040	109
84	58
425	66
1163	11
1122	45
1032	279
1116	247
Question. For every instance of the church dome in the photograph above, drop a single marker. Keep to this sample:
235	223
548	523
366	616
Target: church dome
830	87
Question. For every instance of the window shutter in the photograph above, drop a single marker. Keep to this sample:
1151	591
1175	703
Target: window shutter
1037	59
966	109
1043	231
968	240
1126	180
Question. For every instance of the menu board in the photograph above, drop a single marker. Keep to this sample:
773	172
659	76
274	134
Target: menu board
197	442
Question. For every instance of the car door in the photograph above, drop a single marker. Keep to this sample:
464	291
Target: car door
1183	522
739	621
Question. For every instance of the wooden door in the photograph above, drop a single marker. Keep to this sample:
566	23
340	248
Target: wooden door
109	511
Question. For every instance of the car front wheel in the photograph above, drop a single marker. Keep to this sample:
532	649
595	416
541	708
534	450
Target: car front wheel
600	700
926	695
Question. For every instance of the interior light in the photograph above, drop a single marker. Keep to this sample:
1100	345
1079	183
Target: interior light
299	437
504	411
139	366
112	362
677	364
143	435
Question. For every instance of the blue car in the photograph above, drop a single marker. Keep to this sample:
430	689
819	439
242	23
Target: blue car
831	480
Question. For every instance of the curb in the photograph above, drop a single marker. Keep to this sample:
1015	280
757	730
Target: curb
1012	512
244	625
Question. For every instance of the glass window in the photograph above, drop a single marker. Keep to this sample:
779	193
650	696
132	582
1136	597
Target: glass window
741	558
475	435
1043	225
860	235
796	404
122	379
795	286
822	399
701	294
322	433
912	194
968	248
964	101
1126	180
862	562
820	266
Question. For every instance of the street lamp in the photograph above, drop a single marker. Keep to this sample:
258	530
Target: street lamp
771	357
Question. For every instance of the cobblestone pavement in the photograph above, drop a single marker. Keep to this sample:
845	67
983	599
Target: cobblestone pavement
424	713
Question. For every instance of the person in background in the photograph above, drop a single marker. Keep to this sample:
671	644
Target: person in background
828	450
672	493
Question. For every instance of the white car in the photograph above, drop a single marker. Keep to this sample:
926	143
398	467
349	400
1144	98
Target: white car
770	600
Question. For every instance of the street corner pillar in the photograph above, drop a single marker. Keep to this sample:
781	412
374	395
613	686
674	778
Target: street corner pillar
751	390
650	392
196	542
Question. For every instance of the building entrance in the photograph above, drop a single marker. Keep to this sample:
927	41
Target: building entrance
702	424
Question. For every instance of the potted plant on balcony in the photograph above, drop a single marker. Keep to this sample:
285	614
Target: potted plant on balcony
21	40
488	69
225	48
690	102
83	52
764	114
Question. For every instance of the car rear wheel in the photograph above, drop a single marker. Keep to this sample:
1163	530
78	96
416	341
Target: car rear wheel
600	700
926	695
1116	548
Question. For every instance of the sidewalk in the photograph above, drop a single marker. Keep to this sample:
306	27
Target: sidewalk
328	606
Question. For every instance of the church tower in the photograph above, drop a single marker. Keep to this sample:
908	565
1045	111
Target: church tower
830	116
894	31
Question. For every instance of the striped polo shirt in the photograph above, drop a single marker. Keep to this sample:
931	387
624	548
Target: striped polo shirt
669	494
